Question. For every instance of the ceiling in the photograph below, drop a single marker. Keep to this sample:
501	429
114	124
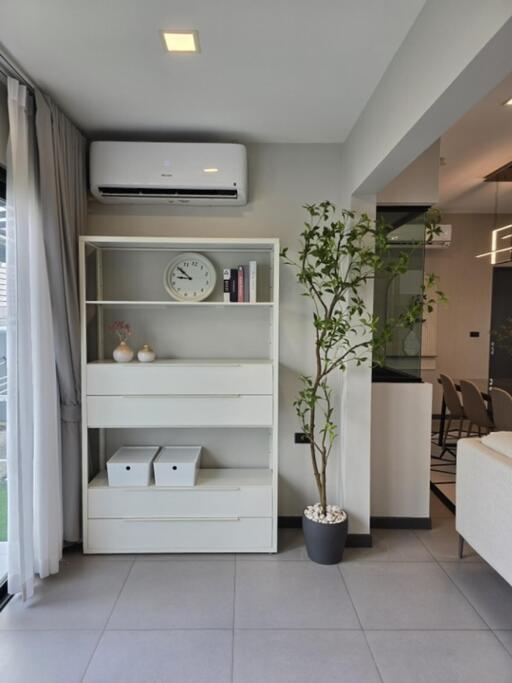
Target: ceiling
479	143
268	71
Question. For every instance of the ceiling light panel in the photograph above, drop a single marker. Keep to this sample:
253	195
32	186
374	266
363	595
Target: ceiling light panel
181	41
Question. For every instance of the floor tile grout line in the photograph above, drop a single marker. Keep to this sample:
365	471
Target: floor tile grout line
439	564
107	620
474	608
361	625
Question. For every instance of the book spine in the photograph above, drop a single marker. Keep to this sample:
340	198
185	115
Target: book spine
252	281
233	285
240	284
246	284
227	277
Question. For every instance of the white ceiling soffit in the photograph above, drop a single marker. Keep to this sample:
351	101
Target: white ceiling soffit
268	71
479	143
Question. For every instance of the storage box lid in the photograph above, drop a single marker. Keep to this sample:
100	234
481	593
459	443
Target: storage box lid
134	454
184	454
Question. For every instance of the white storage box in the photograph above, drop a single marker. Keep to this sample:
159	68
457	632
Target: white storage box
177	466
131	466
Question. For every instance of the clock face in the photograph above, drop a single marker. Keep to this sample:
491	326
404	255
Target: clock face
190	277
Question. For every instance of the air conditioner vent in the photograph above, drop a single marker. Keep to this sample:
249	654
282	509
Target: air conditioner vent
180	193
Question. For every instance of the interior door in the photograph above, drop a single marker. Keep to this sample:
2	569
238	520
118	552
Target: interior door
500	361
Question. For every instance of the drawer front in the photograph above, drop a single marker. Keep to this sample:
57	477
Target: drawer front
108	379
253	501
183	411
167	536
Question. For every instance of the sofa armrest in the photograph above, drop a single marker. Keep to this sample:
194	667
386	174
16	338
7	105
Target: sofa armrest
484	503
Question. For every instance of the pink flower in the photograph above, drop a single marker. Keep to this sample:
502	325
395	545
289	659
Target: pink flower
121	329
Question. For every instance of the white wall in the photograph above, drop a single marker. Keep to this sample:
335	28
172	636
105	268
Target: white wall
418	184
455	53
282	178
400	474
4	126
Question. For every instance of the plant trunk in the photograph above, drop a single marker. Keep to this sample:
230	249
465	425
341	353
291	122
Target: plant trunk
323	493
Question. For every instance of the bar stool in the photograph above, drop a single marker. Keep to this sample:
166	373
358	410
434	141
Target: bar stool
501	402
455	408
475	408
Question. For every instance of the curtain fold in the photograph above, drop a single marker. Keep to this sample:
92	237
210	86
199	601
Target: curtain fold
33	439
63	193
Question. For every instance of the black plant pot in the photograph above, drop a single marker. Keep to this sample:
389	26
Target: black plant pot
325	543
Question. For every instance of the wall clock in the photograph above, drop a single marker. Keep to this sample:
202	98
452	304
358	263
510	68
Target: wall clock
190	277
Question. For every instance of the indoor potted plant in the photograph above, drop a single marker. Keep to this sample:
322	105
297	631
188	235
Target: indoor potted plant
336	259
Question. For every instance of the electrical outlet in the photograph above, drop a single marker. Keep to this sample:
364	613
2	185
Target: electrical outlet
300	437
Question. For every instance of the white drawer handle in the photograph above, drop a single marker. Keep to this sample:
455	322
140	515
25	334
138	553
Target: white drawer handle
181	519
166	396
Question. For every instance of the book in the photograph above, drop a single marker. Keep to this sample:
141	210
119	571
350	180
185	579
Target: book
246	284
233	285
227	277
252	281
240	291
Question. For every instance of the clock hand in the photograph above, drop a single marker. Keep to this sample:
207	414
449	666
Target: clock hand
184	273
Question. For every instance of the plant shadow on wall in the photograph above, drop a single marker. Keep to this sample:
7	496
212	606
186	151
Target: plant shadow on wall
337	258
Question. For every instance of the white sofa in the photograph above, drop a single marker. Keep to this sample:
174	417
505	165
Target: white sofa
484	498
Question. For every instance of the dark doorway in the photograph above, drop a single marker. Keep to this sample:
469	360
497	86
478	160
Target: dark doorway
500	359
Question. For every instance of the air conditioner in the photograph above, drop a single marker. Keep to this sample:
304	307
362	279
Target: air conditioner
197	174
401	237
444	239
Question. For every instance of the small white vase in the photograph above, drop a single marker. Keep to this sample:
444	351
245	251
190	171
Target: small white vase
123	353
146	354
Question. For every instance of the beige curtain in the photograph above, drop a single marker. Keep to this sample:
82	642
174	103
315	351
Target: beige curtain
63	199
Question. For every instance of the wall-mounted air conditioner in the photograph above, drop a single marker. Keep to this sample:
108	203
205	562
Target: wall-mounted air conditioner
443	240
207	174
404	236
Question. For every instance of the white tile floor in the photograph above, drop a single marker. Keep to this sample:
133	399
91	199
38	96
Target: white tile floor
406	610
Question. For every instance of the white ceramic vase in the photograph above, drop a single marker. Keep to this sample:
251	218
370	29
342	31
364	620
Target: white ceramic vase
146	354
123	353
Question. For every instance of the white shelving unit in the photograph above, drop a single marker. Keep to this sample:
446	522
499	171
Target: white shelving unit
214	384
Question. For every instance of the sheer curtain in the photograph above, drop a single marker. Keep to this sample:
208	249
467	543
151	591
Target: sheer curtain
33	440
63	191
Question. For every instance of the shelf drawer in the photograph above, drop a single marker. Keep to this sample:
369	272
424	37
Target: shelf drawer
179	411
253	501
108	379
179	535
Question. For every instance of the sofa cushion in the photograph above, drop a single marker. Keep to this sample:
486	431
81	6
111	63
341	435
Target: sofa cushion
500	442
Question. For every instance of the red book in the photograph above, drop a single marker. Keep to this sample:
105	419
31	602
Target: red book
241	284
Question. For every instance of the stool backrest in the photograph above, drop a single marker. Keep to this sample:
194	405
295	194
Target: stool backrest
451	397
474	405
501	410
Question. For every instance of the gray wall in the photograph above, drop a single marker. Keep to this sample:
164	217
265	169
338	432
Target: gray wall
282	177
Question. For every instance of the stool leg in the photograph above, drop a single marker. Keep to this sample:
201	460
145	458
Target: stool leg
461	547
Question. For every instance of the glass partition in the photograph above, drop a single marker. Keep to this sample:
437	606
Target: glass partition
402	361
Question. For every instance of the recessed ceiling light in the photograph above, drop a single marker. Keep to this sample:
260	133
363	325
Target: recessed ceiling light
210	170
508	103
181	41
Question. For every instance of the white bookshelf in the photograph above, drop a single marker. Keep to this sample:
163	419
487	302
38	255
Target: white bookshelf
214	384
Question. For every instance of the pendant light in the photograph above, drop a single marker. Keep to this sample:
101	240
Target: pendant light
504	232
